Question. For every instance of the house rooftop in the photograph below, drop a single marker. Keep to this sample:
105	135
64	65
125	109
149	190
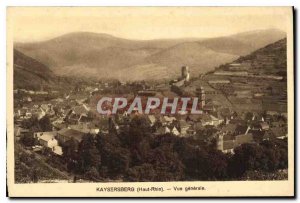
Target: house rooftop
46	136
241	139
229	128
205	117
279	132
151	118
169	119
229	144
85	128
71	133
184	124
82	109
163	130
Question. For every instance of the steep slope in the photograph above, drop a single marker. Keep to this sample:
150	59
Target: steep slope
100	55
269	60
29	73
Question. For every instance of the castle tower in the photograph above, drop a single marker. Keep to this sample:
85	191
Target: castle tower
185	74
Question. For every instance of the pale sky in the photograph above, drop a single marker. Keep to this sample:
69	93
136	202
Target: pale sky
42	23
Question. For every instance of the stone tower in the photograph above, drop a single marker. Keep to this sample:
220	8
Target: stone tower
185	74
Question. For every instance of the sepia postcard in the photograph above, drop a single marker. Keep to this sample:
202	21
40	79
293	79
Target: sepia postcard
150	102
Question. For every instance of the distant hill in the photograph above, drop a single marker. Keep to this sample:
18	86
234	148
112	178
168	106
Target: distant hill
100	55
198	57
29	73
244	43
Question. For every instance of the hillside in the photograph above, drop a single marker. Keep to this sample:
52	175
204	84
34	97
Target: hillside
269	60
100	55
263	88
29	73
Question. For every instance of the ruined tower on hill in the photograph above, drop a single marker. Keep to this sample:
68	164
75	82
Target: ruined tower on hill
185	74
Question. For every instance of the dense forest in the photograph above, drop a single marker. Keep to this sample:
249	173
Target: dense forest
136	155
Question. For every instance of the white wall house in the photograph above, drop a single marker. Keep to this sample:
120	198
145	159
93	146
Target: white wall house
47	139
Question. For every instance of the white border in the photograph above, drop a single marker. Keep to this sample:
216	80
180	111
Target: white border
4	4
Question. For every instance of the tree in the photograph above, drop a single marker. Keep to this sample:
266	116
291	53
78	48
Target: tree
115	159
138	130
166	163
27	139
246	157
267	156
36	125
89	155
142	173
217	162
69	149
92	174
276	153
195	161
35	176
31	123
248	116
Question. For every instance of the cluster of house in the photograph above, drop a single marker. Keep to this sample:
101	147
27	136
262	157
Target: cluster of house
183	125
55	139
77	127
72	118
73	124
68	115
239	132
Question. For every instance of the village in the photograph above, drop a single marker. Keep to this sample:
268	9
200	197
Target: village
73	115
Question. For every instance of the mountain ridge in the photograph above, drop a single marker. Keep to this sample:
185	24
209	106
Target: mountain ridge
103	55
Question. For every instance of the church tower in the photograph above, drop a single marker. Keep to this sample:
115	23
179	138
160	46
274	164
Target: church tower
202	96
200	92
220	142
